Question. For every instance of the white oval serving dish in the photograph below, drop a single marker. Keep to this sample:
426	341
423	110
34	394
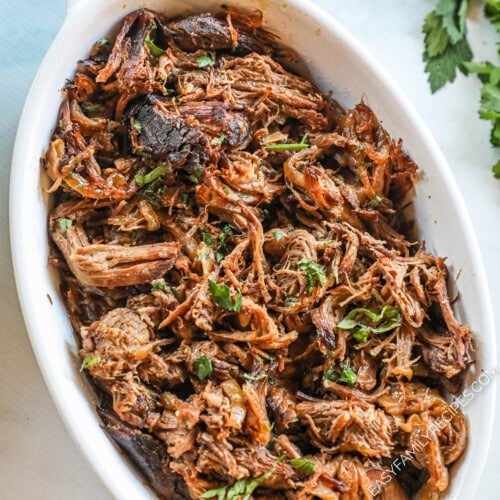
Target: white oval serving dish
334	60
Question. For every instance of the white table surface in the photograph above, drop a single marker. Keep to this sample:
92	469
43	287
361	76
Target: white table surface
38	460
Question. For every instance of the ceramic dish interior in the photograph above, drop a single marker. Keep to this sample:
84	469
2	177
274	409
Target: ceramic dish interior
334	61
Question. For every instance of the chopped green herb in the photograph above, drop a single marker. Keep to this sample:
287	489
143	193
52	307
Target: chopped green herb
302	464
156	173
207	238
203	366
260	376
221	295
278	235
160	284
446	46
89	107
90	361
102	41
314	273
143	154
220	139
347	376
375	202
195	176
289	147
185	198
203	256
204	61
240	490
153	48
388	319
226	190
227	230
219	257
290	300
185	278
153	192
138	126
65	224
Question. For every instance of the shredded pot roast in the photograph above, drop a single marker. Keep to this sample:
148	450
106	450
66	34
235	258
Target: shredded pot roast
235	262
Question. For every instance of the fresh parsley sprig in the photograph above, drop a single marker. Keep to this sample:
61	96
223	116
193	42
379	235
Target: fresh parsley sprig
241	489
446	45
221	295
447	49
383	322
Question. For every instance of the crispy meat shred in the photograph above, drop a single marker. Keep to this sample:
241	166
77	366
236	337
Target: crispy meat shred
234	255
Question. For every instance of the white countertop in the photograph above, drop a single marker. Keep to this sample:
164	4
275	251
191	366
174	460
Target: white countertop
38	460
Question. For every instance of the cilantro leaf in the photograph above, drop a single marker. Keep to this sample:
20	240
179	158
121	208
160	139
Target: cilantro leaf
443	68
203	366
436	38
153	48
496	169
64	224
314	274
260	376
240	490
204	61
221	295
388	319
347	376
302	464
158	285
492	12
452	13
90	361
490	102
153	175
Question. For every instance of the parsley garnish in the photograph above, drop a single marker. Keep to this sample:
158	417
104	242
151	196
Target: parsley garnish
221	295
260	376
204	61
388	319
375	201
314	273
195	176
302	464
158	285
156	173
203	366
348	376
89	361
289	147
207	238
138	126
446	46
153	48
89	107
220	139
490	99
240	490
278	235
65	224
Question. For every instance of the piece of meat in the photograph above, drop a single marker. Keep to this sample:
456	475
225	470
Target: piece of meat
164	135
282	405
204	31
346	426
148	453
108	265
215	119
129	59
